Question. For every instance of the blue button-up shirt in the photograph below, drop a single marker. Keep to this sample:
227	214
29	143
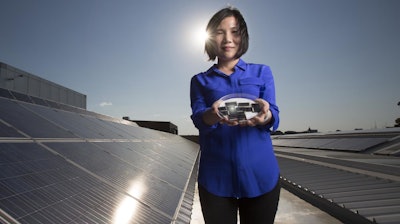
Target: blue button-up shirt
235	161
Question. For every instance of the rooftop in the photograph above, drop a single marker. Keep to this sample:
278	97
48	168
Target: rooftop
63	164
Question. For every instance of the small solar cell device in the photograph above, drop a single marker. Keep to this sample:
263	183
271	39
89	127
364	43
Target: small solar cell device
238	107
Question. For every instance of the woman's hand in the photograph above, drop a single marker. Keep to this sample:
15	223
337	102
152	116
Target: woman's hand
262	118
211	115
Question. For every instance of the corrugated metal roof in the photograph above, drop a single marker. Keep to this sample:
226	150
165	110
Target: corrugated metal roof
61	166
353	187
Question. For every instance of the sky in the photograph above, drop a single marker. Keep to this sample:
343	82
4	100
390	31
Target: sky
336	63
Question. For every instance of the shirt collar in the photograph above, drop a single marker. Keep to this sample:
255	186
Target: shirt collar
240	65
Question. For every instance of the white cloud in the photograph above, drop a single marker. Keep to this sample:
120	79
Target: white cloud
104	104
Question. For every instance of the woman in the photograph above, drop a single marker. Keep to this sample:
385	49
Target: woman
238	169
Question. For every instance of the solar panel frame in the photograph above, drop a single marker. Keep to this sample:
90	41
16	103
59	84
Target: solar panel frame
21	97
39	101
6	93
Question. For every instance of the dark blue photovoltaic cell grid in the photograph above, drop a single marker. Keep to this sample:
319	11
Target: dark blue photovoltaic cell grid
31	124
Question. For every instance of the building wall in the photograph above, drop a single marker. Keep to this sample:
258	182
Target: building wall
164	126
14	79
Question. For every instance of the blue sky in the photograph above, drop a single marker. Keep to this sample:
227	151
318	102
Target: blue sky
336	63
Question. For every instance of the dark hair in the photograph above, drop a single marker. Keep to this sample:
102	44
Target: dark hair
214	23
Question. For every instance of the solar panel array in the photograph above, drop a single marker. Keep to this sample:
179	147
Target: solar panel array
355	144
59	166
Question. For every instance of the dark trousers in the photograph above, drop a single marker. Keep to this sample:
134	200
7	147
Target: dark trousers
261	209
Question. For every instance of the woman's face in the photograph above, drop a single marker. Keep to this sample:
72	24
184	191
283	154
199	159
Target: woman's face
227	39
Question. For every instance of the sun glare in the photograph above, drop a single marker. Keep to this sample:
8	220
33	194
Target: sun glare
127	208
199	37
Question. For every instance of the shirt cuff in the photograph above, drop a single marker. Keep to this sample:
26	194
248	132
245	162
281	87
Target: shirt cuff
200	124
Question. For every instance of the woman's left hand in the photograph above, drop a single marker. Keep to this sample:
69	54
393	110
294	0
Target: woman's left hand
262	118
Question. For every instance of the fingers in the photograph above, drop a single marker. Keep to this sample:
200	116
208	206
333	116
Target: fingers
260	118
216	104
264	105
257	120
231	123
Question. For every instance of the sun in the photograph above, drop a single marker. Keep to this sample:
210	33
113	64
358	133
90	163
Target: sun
200	36
196	36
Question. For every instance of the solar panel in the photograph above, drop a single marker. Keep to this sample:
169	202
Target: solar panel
65	167
355	144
